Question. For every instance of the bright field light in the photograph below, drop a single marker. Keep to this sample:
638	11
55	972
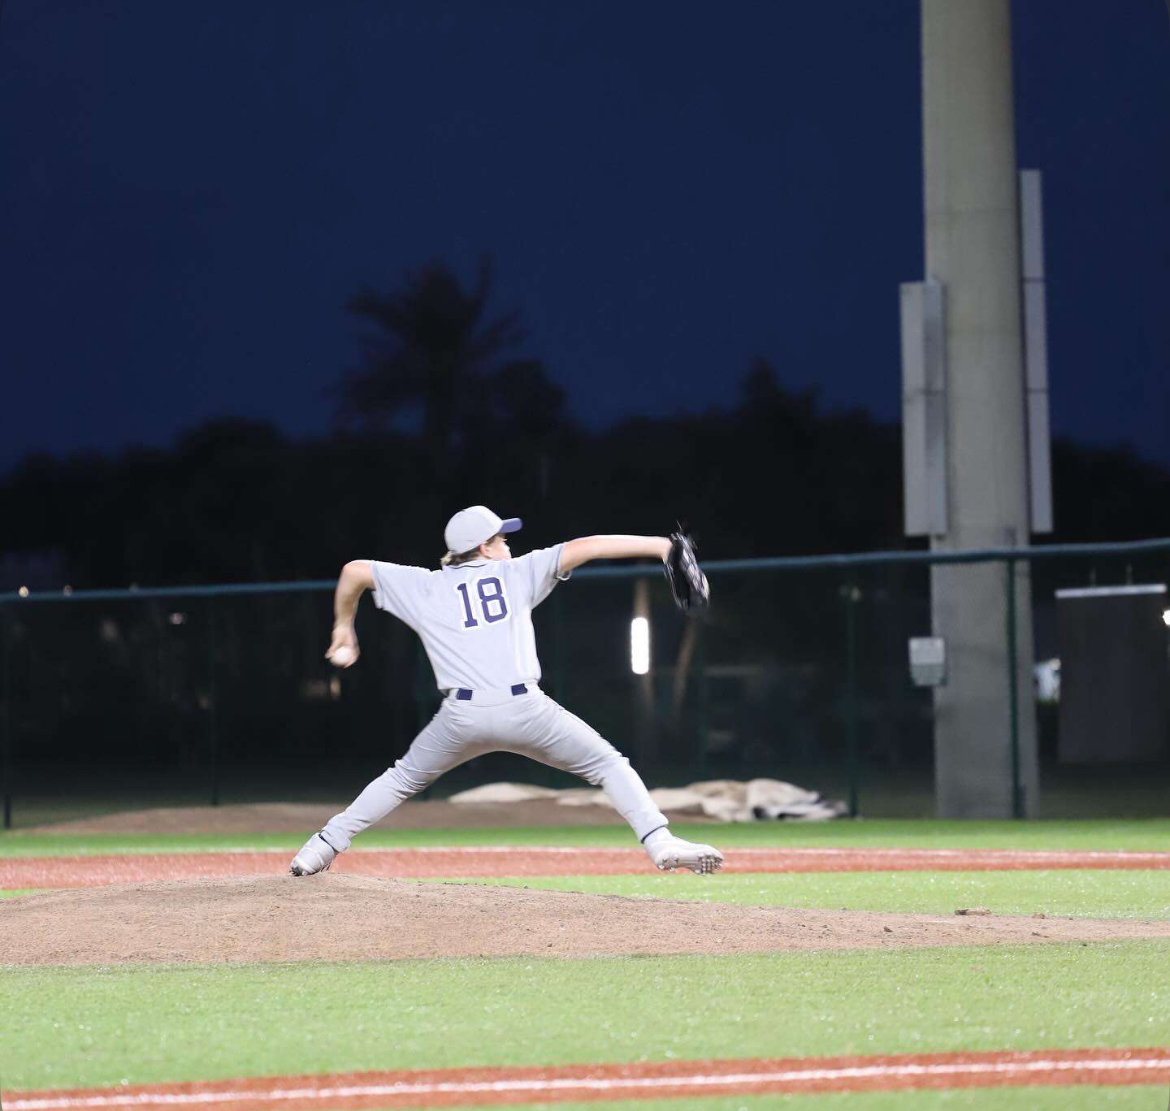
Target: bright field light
640	646
1166	617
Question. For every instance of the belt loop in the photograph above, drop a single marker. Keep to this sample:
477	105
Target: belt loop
464	695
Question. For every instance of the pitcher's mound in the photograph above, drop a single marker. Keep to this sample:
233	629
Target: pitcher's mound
349	917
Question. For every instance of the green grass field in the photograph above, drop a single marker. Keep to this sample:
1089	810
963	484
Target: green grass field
153	1023
1143	835
1075	893
180	1022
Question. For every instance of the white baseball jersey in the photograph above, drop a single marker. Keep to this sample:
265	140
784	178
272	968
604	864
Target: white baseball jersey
475	620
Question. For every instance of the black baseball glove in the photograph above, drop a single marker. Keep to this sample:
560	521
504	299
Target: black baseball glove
687	582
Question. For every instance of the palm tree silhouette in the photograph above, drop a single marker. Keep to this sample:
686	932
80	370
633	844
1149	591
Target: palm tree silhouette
435	352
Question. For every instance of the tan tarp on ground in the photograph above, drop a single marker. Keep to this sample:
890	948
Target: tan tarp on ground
726	800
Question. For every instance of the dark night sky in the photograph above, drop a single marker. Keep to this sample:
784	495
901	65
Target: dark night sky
190	191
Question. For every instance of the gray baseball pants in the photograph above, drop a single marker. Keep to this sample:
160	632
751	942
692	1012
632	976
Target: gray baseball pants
531	725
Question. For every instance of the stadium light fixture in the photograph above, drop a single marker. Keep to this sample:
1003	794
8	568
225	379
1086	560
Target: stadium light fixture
1166	617
640	646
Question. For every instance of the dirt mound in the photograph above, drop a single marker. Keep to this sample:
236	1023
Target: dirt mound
302	817
351	917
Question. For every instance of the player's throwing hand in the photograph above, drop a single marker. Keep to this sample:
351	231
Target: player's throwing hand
343	651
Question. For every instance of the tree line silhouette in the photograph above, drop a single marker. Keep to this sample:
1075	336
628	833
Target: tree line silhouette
445	409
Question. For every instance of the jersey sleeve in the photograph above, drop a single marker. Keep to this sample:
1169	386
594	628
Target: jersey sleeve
397	588
539	572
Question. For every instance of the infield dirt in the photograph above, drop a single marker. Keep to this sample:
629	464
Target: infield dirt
352	917
232	907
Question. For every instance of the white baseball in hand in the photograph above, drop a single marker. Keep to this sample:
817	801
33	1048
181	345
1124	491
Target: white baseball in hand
342	656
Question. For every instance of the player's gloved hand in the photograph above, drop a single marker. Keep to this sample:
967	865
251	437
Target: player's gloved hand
343	650
687	582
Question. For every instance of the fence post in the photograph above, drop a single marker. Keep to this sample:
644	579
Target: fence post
852	595
702	706
6	721
420	686
558	631
1013	691
212	703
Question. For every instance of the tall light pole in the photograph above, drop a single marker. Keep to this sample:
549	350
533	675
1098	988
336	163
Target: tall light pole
975	485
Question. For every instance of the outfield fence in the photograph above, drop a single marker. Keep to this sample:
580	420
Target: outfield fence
799	671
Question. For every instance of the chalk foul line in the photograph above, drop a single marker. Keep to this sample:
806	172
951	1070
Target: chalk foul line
528	1085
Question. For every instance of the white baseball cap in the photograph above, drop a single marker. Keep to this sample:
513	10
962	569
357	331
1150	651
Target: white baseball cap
474	526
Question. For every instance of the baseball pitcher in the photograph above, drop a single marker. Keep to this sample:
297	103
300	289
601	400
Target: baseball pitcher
474	616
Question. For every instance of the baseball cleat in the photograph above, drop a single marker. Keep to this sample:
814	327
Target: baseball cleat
315	856
677	853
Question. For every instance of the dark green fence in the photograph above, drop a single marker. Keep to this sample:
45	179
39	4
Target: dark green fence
117	699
